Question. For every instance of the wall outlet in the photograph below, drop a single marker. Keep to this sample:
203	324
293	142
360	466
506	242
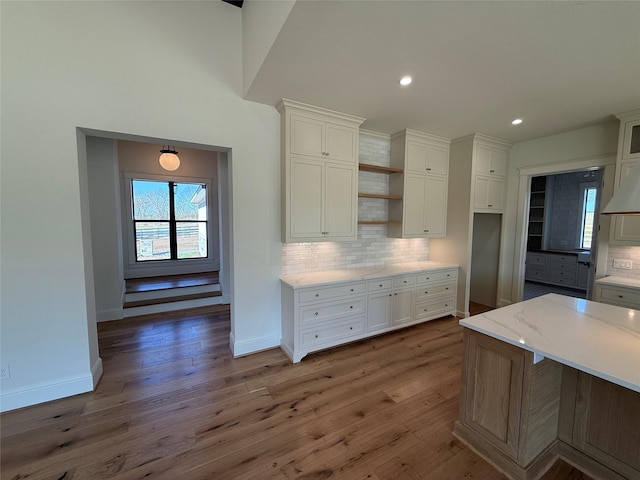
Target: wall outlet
624	264
5	372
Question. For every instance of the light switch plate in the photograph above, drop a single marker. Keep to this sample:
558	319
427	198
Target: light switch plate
623	264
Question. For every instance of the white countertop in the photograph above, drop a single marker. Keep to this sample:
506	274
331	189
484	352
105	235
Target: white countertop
619	282
596	338
298	280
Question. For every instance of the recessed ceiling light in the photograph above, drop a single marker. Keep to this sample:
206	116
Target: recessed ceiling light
517	121
406	80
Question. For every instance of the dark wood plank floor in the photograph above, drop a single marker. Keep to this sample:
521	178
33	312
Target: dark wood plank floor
174	404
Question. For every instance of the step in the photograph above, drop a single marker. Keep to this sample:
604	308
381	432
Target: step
171	299
184	304
166	293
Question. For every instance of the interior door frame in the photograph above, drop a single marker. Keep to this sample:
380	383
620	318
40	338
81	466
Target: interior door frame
606	163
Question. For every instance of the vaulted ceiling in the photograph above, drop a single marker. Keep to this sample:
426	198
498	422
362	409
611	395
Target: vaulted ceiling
476	65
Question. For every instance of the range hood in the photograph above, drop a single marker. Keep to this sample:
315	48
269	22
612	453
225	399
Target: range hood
626	199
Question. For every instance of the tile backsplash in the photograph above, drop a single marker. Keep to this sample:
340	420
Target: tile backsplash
623	253
373	247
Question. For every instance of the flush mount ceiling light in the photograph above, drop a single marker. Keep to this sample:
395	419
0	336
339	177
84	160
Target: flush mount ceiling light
517	121
169	158
406	80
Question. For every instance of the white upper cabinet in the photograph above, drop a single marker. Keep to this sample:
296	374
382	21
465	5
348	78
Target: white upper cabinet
491	160
320	173
427	158
490	164
316	138
422	212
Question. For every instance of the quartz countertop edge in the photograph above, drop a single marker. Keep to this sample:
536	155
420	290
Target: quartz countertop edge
619	282
328	277
600	339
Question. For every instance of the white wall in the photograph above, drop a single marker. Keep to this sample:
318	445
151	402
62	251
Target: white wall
574	147
65	66
106	232
262	21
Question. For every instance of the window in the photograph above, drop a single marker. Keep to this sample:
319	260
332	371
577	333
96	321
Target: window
589	195
170	220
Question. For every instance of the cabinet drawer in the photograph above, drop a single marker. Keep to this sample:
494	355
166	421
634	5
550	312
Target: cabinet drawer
533	273
331	311
621	297
435	307
566	268
564	259
536	259
563	278
427	277
404	281
429	291
333	333
383	284
314	294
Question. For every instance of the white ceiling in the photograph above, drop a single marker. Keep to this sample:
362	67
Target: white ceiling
476	65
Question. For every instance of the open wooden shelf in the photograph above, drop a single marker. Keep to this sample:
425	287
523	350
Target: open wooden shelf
377	195
365	167
377	222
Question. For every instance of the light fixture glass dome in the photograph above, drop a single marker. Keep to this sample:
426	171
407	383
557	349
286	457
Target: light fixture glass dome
169	159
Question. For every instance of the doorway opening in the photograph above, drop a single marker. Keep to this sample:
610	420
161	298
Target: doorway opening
561	237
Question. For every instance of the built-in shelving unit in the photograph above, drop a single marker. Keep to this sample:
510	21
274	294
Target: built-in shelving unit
365	167
535	234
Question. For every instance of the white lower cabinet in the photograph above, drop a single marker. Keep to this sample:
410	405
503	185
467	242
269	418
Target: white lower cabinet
320	316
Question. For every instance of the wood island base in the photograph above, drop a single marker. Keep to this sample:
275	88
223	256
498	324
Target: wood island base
522	416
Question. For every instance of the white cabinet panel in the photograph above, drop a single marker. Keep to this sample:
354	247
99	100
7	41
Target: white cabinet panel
490	160
307	136
488	193
626	229
425	206
341	143
379	311
306	199
340	200
425	158
402	307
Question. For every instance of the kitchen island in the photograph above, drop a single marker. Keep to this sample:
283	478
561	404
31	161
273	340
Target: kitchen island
553	377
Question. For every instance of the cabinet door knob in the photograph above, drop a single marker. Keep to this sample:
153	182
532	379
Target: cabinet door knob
405	281
352	289
426	293
316	314
489	205
316	336
380	285
317	294
620	296
428	169
351	306
492	171
350	328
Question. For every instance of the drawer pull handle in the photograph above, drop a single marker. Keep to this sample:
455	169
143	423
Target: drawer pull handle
316	336
446	288
427	278
489	205
446	304
317	295
350	328
380	285
351	306
352	289
620	296
405	281
491	171
426	310
316	314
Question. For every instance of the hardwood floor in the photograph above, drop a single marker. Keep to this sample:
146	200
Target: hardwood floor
174	404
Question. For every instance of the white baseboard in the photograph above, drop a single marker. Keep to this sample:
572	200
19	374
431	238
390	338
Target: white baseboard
108	315
461	314
253	345
97	371
45	392
503	302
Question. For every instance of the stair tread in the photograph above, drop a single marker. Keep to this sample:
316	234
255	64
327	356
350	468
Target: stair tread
171	299
168	282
